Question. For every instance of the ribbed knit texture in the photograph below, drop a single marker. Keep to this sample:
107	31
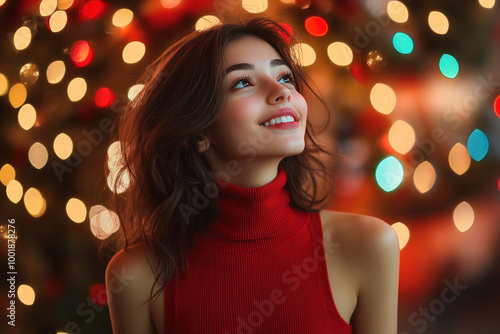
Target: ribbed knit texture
261	270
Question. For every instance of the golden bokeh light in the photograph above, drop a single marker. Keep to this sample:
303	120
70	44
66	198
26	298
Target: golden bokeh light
305	53
401	136
2	2
47	7
122	17
63	146
38	155
76	210
64	4
206	22
103	222
17	95
383	98
26	294
14	191
438	22
58	21
134	91
22	38
254	6
7	173
115	156
424	177
34	202
26	116
77	89
459	159
397	11
403	233
56	71
170	3
487	3
29	74
463	216
340	53
122	183
133	52
4	85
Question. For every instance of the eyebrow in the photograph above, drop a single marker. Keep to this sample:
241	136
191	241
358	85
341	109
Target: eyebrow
248	66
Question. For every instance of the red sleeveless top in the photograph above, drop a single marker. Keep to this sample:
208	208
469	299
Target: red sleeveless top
261	270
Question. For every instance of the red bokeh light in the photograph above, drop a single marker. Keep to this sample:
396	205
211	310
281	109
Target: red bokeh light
104	97
288	29
92	10
496	106
499	184
316	26
81	53
98	294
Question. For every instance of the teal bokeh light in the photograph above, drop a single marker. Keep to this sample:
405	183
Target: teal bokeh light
448	65
389	174
478	145
402	43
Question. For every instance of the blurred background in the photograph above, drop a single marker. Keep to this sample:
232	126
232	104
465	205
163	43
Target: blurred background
413	89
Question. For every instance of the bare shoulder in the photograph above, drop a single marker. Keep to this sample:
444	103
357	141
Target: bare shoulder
359	233
129	279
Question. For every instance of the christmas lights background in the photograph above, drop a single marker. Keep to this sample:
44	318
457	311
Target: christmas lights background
414	93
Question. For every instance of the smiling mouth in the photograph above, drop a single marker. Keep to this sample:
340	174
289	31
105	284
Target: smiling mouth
278	120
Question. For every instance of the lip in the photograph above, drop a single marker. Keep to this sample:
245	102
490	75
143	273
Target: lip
282	112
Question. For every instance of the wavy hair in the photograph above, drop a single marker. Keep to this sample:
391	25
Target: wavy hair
159	131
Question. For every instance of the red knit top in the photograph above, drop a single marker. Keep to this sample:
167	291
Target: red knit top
262	271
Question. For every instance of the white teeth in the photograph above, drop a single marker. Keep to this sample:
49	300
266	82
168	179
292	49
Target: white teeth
278	120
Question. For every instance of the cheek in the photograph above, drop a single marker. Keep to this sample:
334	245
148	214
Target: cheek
239	113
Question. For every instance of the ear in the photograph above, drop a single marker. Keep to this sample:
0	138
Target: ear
203	143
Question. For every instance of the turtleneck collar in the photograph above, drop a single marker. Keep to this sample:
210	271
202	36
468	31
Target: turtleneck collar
252	219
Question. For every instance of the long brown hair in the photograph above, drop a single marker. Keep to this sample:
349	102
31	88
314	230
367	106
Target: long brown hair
159	130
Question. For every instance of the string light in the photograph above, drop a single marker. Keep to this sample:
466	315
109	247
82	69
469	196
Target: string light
38	155
104	97
487	3
305	52
77	88
401	136
55	72
169	4
17	95
7	174
459	159
383	98
81	53
438	22
14	191
92	10
463	216
402	43
316	26
403	234
4	85
64	4
133	52
34	202
340	53
389	174
63	146
26	294
47	7
122	17
397	11
58	21
448	66
478	145
22	38
424	177
27	116
76	210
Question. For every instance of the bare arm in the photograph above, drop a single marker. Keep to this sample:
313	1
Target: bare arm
378	273
128	282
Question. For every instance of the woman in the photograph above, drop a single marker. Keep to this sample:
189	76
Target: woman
222	228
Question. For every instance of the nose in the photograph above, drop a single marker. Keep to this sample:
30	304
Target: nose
278	94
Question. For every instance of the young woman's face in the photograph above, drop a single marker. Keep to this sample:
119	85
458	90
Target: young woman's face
265	117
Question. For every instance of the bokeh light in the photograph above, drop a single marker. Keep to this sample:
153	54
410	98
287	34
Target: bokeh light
81	53
424	177
120	179
7	173
17	95
2	2
104	97
14	191
459	159
448	66
115	156
401	136
58	21
305	52
383	98
103	222
34	202
170	3
403	234
478	145
133	52
122	17
92	10
397	11
340	53
63	146
26	116
47	7
56	71
206	22
64	4
402	43
389	174
4	85
487	3
22	38
254	6
76	210
496	105
375	61
98	294
29	74
38	155
438	22
134	91
77	88
26	294
463	216
316	26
